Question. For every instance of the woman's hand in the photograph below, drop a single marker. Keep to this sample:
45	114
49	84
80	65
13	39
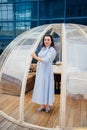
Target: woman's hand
34	55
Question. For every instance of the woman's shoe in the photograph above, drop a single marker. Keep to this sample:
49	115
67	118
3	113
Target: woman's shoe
40	109
48	109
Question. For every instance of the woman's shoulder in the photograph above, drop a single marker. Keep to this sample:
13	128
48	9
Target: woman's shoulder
52	49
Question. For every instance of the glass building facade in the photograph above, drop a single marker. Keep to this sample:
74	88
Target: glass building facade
17	16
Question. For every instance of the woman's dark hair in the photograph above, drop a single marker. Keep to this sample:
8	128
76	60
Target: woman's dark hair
47	35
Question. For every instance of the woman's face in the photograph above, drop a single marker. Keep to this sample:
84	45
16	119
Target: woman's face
47	41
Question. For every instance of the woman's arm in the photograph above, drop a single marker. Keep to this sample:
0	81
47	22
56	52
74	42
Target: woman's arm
48	58
36	57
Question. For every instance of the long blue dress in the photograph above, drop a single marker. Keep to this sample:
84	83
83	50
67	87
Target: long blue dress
43	92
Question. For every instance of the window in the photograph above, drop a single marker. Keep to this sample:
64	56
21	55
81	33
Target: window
26	11
6	12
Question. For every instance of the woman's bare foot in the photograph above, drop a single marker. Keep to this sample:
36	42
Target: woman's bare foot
41	108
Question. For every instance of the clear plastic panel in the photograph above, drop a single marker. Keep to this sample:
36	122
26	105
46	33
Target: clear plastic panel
12	76
14	61
57	40
84	28
76	77
17	41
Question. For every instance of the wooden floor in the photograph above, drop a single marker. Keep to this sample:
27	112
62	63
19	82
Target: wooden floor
76	114
8	125
44	119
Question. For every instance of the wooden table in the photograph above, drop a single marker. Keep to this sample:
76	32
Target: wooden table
57	78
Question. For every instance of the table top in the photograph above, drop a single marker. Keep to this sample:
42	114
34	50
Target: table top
57	69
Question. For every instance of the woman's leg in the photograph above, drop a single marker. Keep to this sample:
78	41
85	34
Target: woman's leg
42	106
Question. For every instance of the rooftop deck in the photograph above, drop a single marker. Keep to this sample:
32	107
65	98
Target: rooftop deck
76	114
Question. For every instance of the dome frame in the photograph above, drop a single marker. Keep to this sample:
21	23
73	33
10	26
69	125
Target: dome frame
11	47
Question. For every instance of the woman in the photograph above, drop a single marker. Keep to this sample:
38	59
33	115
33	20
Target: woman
43	92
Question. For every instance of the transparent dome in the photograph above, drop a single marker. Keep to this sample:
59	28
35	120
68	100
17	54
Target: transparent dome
15	62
